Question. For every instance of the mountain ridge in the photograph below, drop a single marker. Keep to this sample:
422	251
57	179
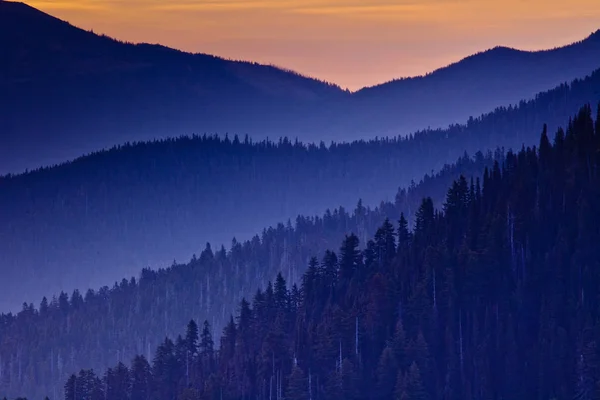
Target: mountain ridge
594	36
19	13
248	264
73	221
72	92
408	293
23	7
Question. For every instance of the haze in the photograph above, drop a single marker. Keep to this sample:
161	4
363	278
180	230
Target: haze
349	42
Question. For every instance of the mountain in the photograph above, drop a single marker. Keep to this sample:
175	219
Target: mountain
109	214
491	297
58	337
71	92
476	84
488	296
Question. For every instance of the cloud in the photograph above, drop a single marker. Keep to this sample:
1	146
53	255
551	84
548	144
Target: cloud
295	6
217	5
359	9
71	5
397	9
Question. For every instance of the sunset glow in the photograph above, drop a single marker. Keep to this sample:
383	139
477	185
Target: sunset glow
352	43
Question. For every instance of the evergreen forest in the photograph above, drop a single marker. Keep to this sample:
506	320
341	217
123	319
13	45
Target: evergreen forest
493	296
490	293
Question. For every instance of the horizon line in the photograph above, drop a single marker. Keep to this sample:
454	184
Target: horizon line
297	72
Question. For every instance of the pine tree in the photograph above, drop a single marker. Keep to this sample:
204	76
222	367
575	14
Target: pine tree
281	294
414	384
117	382
387	373
404	233
207	355
400	387
350	258
71	388
298	385
191	338
141	378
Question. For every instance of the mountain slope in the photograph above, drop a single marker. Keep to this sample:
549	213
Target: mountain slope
86	223
472	300
491	297
135	315
71	92
478	83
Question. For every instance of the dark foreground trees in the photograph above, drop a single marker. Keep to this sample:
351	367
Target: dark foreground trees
40	347
492	297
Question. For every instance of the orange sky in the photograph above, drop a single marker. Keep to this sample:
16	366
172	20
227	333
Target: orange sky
350	42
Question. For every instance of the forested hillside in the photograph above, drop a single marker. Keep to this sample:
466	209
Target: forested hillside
107	215
494	296
41	345
75	91
65	92
510	75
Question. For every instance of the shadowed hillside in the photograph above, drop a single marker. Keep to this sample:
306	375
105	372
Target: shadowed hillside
510	256
88	92
86	223
491	297
66	92
135	315
478	83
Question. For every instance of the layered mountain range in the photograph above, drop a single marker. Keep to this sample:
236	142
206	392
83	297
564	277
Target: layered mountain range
194	182
89	222
65	92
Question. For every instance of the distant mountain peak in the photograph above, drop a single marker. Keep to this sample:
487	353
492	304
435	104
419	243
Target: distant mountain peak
20	20
495	51
60	80
595	35
18	9
502	48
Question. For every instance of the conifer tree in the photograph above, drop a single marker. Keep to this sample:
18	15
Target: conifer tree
298	385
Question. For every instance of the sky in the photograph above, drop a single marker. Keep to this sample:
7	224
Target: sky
352	43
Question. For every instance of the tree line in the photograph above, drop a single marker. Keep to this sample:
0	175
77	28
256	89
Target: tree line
40	346
109	214
492	296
